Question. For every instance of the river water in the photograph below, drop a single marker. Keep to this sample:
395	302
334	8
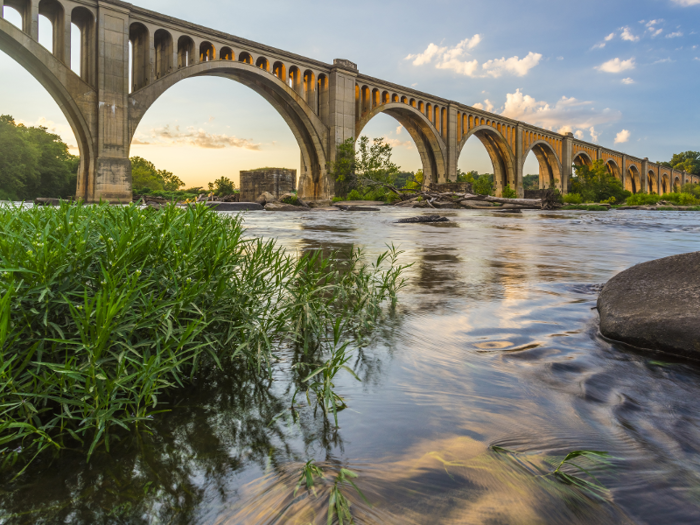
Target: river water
495	342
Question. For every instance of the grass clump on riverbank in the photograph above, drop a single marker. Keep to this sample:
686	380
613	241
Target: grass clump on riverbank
105	310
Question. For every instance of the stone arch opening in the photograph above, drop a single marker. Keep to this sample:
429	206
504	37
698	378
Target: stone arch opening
664	184
613	169
376	98
322	98
500	155
676	184
263	63
207	52
84	21
139	40
19	14
583	159
431	148
280	71
163	43
310	133
227	53
51	12
549	165
185	52
294	81
310	88
245	58
633	180
651	182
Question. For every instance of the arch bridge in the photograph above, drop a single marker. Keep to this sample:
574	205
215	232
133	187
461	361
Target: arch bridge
130	56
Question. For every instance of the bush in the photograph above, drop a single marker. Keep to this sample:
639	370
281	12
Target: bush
681	199
642	199
509	193
596	184
106	310
293	200
572	198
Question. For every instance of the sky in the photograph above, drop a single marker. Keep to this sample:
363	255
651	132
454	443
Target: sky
624	74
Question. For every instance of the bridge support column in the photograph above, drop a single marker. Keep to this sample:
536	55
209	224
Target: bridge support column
452	143
109	174
32	20
341	107
645	175
623	175
567	160
519	162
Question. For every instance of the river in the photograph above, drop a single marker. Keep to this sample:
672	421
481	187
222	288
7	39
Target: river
495	342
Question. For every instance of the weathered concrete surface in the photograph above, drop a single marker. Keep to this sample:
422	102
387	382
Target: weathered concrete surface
235	206
275	181
655	305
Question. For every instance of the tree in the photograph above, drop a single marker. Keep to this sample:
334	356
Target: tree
367	169
417	182
144	175
34	163
470	176
597	184
688	161
531	182
222	187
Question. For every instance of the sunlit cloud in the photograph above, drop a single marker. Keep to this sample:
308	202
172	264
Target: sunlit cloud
628	81
622	137
486	106
198	138
579	134
627	35
456	59
594	134
567	115
675	34
616	65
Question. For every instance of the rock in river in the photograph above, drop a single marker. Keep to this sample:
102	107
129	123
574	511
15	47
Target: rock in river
424	218
655	305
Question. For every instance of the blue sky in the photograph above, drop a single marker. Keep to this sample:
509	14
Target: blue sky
624	74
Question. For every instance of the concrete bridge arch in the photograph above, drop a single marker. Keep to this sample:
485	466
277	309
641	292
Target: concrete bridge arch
550	164
500	153
308	129
431	147
583	159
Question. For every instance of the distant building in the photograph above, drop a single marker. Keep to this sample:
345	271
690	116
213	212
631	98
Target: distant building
276	181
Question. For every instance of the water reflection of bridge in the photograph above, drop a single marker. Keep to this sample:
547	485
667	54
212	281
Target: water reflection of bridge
130	56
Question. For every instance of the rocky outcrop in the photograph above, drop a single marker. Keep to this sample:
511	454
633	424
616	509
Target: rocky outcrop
235	206
655	305
266	198
280	206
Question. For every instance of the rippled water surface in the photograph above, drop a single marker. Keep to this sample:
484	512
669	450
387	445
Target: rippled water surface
495	342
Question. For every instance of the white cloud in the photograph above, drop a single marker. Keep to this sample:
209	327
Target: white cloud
652	23
675	34
399	130
488	107
427	56
610	37
167	136
568	114
396	143
628	81
622	137
594	135
455	59
656	33
697	58
616	65
627	35
579	134
514	65
663	61
686	3
599	46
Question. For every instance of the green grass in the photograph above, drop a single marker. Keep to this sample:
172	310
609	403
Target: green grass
105	311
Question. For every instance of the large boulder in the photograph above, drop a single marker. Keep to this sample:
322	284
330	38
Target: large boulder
655	305
266	198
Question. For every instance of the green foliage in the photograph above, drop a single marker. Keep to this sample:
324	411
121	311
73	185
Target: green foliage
34	163
404	178
572	198
483	185
470	176
104	311
309	472
417	182
595	458
692	189
642	199
509	193
292	199
596	183
222	187
688	161
144	175
531	182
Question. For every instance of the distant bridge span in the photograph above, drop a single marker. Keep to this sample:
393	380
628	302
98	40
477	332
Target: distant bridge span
323	104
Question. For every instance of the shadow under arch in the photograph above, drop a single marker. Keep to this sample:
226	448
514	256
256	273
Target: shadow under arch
501	155
74	96
651	182
583	159
550	165
311	134
613	169
431	148
633	181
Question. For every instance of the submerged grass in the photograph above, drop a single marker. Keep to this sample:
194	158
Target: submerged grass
105	310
